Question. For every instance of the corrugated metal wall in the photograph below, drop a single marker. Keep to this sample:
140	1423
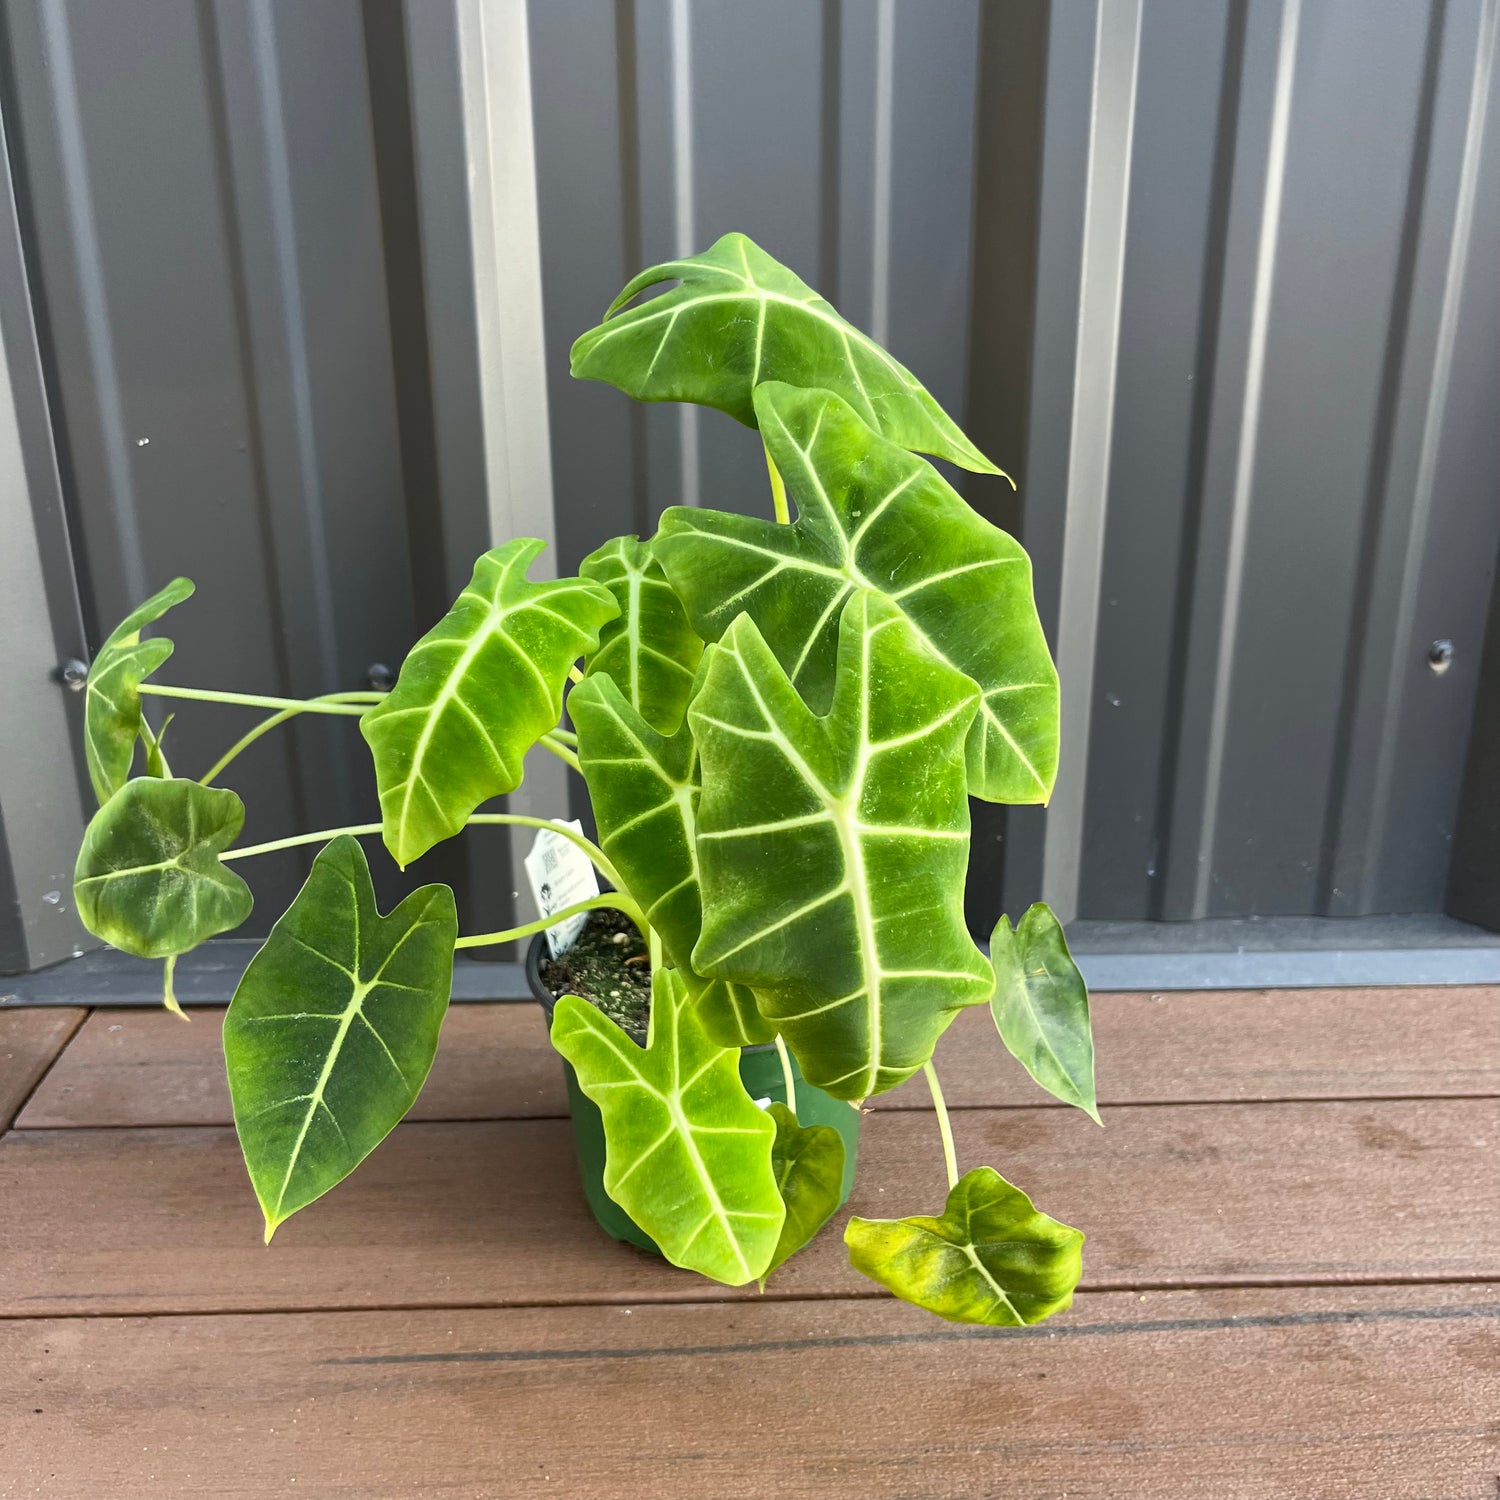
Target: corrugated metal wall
1277	441
1213	278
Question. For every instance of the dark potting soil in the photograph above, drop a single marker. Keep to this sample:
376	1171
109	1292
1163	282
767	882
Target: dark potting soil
610	967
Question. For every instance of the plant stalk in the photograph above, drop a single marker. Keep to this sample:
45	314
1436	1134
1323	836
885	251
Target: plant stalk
778	491
945	1126
561	751
615	900
267	725
786	1073
259	700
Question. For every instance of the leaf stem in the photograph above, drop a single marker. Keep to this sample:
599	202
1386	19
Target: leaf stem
564	736
322	836
786	1073
778	491
945	1126
561	751
615	900
520	820
267	725
168	993
261	700
574	675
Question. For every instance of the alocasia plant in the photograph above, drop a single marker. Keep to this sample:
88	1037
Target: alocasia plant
780	721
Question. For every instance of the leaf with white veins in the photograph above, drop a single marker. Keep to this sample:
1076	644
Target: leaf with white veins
740	317
870	515
650	649
644	792
112	699
476	693
991	1258
687	1152
833	850
333	1028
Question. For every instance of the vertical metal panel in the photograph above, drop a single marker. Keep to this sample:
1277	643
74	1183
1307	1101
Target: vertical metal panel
1296	503
292	333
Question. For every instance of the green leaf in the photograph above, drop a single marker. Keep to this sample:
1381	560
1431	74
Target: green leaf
475	693
687	1152
333	1028
112	699
991	1258
871	515
833	851
740	317
650	650
1041	1007
148	878
644	792
809	1164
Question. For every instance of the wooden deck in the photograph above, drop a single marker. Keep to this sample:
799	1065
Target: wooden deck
1292	1281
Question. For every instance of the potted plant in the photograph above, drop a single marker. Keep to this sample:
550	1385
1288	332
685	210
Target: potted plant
780	722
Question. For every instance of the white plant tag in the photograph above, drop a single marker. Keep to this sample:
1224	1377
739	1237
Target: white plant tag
561	875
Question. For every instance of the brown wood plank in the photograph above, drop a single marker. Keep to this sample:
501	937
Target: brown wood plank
29	1041
1354	1394
491	1214
147	1068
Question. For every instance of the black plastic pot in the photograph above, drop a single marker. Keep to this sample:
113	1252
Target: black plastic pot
760	1068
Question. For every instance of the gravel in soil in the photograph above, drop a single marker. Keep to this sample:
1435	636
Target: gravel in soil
610	967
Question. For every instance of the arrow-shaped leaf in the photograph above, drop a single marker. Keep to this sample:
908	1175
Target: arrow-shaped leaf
991	1258
1041	1007
871	515
333	1028
833	851
148	878
644	792
687	1152
740	317
809	1164
475	693
112	699
650	650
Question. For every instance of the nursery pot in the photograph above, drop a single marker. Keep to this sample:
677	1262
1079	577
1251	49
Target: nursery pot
760	1069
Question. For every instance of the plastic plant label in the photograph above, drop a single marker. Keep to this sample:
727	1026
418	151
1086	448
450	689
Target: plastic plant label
561	876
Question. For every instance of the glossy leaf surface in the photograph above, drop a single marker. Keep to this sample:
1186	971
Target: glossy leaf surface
687	1152
833	850
643	788
112	700
1041	1007
650	650
740	317
475	693
990	1258
870	515
809	1164
148	878
333	1028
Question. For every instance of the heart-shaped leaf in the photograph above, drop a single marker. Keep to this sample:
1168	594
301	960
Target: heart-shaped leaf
809	1164
991	1258
333	1028
687	1153
740	317
1041	1007
475	693
833	851
644	792
148	878
650	650
112	699
871	515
